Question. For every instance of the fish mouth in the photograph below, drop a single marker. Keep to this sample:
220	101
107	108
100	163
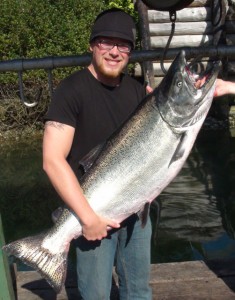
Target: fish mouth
199	77
200	81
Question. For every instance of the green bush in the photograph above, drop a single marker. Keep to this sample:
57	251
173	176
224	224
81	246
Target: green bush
39	28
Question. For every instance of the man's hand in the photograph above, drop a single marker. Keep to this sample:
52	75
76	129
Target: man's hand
149	89
97	227
224	87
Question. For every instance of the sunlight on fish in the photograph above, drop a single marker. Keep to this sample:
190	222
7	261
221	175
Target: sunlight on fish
132	168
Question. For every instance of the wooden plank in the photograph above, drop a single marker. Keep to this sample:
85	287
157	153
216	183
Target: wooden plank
6	287
184	15
231	13
194	280
181	41
193	270
199	3
183	28
204	289
185	280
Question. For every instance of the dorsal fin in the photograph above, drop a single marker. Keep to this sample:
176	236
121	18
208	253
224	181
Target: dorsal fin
88	160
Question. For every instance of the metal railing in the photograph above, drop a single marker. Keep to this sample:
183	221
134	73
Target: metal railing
50	63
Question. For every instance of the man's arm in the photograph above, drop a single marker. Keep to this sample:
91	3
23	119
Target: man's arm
57	142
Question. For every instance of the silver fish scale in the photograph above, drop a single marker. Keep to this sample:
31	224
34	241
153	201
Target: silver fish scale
125	175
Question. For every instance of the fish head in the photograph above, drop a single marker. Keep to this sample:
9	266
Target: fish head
184	97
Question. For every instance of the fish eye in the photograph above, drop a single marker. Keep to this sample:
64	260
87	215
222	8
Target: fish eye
179	84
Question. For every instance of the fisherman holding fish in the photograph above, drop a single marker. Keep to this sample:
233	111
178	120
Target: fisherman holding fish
125	169
86	109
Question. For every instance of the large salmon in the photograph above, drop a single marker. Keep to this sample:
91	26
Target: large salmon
134	166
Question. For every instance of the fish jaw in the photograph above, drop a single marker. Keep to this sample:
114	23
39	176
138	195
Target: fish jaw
179	101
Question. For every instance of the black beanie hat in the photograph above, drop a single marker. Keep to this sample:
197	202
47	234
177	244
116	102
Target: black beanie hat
114	23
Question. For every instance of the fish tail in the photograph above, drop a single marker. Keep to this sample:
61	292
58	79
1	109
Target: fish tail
51	266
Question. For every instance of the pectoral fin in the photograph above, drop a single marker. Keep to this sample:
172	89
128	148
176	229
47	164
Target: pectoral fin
179	152
143	214
87	161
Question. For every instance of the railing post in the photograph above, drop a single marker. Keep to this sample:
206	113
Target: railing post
6	287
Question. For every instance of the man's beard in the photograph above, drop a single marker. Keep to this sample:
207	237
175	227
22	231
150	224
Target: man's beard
111	73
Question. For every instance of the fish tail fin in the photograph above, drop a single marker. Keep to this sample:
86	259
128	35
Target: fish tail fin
51	266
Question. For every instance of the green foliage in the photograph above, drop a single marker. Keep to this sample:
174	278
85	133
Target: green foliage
39	28
126	5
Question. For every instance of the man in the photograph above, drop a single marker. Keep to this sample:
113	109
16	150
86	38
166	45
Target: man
87	107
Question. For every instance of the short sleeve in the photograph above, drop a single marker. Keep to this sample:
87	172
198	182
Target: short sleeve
64	106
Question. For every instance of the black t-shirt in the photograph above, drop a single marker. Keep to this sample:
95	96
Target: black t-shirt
93	109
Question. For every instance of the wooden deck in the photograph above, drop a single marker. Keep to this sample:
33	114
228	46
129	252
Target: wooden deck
214	280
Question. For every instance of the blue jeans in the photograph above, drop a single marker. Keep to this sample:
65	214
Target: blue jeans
129	249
